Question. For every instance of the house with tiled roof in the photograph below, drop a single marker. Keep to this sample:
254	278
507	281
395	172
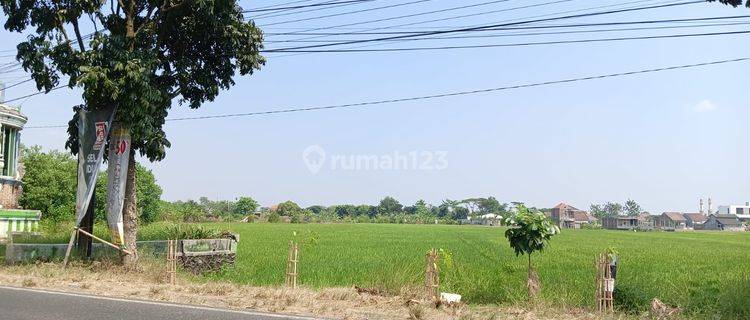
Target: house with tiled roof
567	216
694	218
670	221
723	222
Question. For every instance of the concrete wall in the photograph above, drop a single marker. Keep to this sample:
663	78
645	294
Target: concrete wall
29	252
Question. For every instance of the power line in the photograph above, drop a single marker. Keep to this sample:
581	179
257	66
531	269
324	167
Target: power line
347	13
680	26
487	12
321	4
275	14
575	25
18	83
34	94
411	15
420	34
282	4
444	95
522	44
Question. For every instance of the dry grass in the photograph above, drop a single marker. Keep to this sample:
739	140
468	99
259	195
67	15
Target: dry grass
148	282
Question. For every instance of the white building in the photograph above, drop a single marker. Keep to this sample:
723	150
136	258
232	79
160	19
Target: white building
742	211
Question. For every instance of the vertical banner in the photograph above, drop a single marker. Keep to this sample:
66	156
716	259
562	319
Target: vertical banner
117	174
93	128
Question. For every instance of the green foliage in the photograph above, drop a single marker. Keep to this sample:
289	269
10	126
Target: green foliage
50	184
632	208
182	231
244	206
530	231
274	218
733	3
288	209
389	206
143	56
597	211
613	209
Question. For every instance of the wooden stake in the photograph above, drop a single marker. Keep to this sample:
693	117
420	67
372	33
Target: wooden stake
432	274
171	261
104	241
70	246
604	284
291	265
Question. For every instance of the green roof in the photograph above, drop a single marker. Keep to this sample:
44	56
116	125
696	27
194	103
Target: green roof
11	213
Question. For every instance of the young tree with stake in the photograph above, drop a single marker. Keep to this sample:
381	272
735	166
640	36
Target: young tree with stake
142	55
530	231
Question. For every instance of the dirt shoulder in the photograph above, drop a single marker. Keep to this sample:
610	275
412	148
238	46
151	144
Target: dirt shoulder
335	303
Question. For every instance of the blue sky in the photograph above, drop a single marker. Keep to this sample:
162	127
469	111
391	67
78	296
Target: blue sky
664	139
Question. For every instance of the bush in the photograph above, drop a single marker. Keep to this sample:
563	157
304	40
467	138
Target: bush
190	231
274	218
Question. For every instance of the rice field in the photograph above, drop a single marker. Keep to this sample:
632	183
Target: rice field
704	273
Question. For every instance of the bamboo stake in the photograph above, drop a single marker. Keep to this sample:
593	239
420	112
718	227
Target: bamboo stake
291	265
70	246
432	275
104	241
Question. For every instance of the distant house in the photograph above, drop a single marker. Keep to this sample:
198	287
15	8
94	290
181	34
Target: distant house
567	216
742	212
640	222
693	219
723	222
670	221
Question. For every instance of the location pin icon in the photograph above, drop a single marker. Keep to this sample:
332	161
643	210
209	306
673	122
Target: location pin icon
314	156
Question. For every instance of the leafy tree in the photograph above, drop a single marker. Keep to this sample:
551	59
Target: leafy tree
632	208
530	231
389	206
613	209
288	208
244	206
49	184
366	210
597	210
142	56
733	3
274	218
421	209
459	213
345	210
316	209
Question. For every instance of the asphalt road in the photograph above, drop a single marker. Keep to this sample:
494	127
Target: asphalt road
32	304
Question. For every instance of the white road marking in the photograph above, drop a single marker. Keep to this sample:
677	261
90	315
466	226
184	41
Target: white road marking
167	304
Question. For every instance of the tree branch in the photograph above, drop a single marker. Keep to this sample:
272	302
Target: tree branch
78	34
147	20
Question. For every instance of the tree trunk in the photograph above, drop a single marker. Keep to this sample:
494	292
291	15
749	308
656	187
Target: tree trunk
130	215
